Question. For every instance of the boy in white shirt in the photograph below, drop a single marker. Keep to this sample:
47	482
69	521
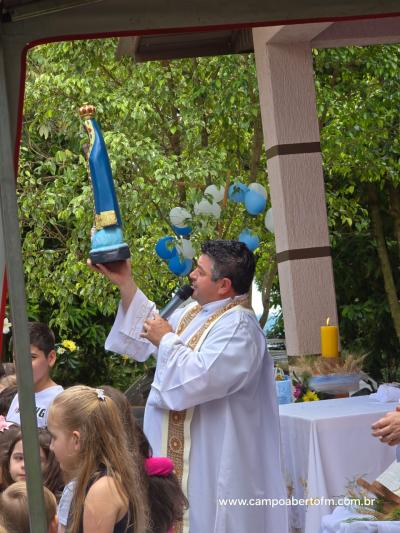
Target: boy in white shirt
43	353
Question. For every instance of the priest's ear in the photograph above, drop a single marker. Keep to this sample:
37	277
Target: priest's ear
225	289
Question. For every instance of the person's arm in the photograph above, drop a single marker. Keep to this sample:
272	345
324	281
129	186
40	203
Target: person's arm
120	274
103	507
230	356
387	428
124	337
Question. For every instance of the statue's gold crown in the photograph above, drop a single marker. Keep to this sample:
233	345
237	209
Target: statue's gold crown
87	111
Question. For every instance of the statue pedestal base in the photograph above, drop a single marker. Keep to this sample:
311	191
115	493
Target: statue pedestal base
110	256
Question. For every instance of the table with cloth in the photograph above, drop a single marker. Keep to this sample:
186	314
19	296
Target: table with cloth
325	446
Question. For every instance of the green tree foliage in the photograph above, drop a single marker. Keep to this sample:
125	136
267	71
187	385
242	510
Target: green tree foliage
171	129
359	98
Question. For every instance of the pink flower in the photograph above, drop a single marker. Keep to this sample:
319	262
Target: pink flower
297	391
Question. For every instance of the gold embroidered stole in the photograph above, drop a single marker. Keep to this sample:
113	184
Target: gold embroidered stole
177	445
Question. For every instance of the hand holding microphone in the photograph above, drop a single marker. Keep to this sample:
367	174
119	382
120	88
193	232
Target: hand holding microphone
155	328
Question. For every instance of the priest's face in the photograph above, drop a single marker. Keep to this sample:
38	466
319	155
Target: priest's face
205	289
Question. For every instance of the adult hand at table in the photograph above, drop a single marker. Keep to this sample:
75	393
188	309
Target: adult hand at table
387	428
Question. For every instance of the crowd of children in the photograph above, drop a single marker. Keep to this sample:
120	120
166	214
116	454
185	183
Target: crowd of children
99	475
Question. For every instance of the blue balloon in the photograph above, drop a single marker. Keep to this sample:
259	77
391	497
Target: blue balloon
187	230
250	239
179	267
163	250
237	192
254	202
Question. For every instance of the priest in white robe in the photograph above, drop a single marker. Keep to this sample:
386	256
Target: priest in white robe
212	406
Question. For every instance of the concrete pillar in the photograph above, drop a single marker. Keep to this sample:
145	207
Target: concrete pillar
287	98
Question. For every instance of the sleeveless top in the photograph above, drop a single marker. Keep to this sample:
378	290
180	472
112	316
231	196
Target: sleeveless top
121	526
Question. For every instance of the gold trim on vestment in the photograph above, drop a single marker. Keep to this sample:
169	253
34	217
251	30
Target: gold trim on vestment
178	440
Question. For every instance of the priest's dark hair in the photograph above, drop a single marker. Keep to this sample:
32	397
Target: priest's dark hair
232	260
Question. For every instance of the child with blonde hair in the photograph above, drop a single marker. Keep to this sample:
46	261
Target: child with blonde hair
14	511
88	440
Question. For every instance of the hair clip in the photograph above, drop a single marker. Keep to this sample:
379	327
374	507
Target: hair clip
158	466
100	394
4	425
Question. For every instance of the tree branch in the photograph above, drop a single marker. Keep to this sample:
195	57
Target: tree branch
378	232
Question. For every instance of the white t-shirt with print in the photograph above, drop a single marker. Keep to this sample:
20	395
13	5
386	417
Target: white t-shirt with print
43	400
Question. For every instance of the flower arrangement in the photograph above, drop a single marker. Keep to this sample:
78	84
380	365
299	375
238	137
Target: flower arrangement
302	392
68	361
327	376
66	345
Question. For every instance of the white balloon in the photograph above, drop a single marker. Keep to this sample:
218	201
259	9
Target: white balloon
185	248
204	207
216	192
215	210
269	220
179	216
257	187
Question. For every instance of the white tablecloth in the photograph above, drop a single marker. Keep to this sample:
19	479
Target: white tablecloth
325	446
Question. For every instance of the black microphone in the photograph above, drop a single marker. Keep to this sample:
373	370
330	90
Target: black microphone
182	295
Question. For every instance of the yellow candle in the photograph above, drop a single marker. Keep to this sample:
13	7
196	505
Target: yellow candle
329	340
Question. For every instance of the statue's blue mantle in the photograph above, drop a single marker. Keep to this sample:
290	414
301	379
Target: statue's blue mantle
107	239
105	198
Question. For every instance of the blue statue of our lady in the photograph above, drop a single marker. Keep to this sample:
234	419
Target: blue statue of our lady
107	239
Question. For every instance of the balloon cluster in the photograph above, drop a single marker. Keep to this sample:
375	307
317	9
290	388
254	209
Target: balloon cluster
178	255
254	198
178	251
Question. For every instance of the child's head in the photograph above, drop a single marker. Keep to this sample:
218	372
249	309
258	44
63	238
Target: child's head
8	369
52	475
6	434
132	428
43	353
166	498
14	509
13	465
87	434
6	397
8	377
